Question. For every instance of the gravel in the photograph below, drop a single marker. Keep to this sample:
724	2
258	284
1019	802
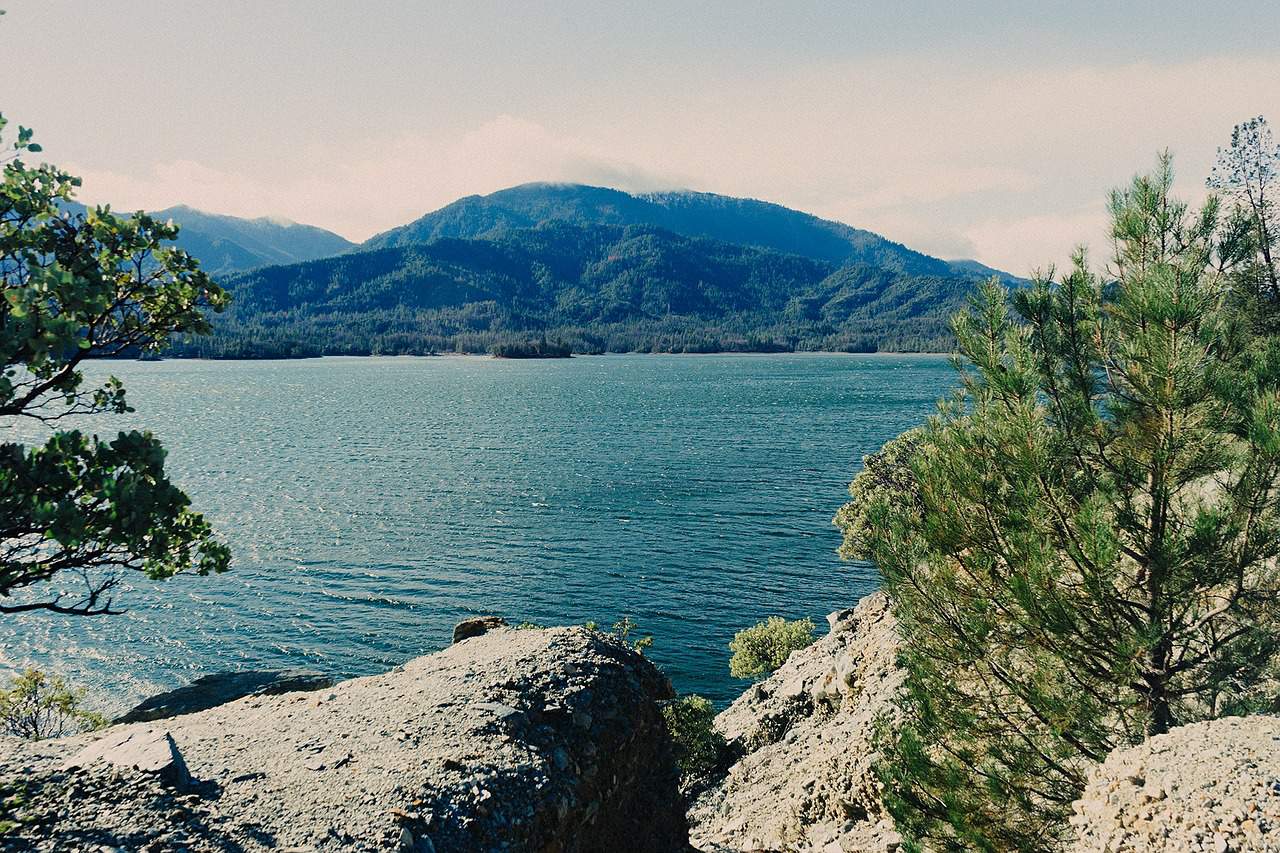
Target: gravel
1212	786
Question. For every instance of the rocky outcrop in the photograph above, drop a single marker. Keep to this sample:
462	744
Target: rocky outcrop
468	628
1212	786
210	691
517	740
804	778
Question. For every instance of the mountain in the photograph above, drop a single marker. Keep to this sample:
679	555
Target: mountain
692	214
226	244
229	244
596	287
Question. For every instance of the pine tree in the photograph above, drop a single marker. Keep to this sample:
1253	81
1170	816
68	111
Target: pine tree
1088	554
1248	173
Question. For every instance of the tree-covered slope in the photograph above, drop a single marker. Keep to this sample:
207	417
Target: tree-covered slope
596	287
733	220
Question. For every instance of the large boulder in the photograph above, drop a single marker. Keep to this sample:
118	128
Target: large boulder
219	688
517	740
1212	786
804	776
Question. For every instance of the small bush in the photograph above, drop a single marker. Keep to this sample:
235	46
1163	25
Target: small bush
762	648
39	706
699	747
622	630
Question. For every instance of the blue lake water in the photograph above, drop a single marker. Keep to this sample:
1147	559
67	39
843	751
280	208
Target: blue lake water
371	503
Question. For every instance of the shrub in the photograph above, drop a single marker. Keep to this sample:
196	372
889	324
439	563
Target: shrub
762	648
14	796
622	630
39	706
699	747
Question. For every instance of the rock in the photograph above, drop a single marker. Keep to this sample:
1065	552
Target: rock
514	740
209	691
476	627
148	750
803	777
1204	786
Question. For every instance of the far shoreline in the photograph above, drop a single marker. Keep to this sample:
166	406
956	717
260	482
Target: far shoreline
491	357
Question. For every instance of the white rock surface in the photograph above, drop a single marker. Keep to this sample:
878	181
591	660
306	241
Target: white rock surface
514	740
1212	786
804	780
141	748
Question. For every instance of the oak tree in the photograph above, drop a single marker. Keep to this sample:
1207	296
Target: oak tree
77	510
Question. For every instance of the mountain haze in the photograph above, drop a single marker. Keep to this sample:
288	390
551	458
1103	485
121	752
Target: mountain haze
230	244
227	244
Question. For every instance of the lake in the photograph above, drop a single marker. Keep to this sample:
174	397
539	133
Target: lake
371	503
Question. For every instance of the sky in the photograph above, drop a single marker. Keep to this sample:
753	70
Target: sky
991	130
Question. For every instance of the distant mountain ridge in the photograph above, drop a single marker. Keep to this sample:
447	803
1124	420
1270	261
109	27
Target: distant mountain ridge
227	244
596	288
544	267
230	244
693	214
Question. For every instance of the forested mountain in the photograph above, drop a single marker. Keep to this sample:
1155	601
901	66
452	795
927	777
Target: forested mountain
693	214
229	244
595	287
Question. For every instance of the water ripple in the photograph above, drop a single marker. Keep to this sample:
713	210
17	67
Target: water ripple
371	503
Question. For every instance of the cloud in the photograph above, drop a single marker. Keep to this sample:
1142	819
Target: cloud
940	182
1008	165
381	184
1042	240
926	146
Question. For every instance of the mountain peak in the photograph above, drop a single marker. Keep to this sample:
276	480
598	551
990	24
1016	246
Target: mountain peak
690	213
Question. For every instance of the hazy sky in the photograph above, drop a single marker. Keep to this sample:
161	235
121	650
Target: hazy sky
965	129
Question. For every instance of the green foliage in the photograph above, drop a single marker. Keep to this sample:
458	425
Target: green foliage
37	706
533	349
700	749
75	287
765	646
1091	555
590	288
623	628
1247	172
622	631
886	475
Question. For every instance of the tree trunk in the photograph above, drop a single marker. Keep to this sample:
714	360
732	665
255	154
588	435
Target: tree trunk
1159	713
